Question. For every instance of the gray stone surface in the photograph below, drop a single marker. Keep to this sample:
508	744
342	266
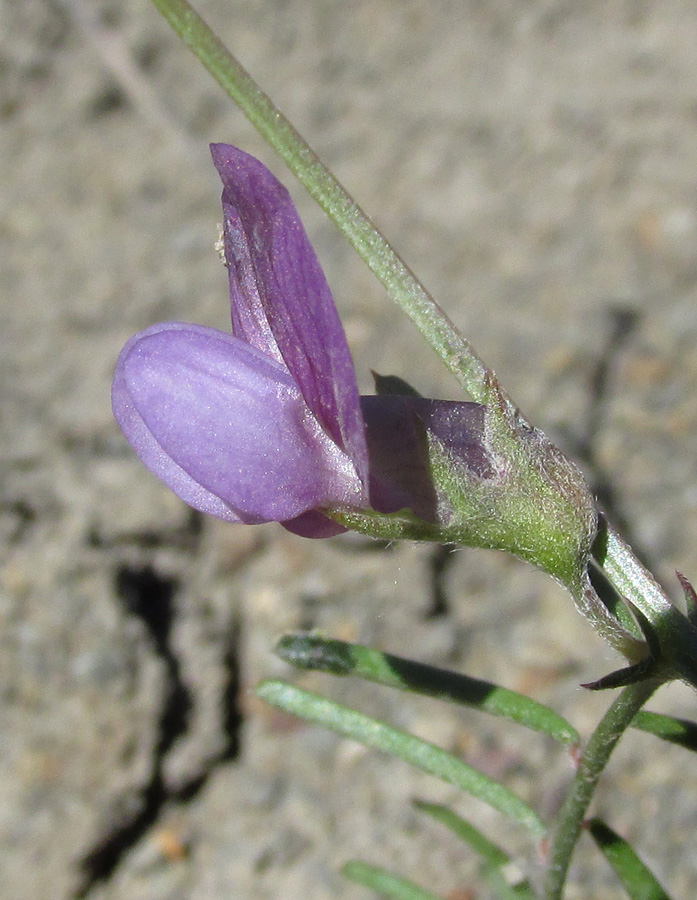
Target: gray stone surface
536	164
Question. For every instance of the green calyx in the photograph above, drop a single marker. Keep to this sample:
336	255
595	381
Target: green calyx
536	505
533	503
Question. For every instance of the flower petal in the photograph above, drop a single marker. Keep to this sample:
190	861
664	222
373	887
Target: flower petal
226	427
280	300
313	524
400	468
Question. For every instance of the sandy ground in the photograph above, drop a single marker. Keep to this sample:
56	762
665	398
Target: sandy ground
536	164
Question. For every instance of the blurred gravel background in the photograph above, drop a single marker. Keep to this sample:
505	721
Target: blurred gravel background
536	164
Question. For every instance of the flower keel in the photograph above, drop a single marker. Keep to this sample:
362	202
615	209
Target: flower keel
227	428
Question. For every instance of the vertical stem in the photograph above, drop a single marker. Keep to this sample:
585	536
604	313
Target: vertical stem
402	285
678	637
595	757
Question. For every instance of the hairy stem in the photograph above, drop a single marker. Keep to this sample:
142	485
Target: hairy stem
595	757
401	283
676	635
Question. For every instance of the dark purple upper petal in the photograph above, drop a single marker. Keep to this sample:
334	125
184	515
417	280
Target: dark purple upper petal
227	427
280	301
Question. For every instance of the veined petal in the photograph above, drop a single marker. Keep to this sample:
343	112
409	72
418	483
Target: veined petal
400	467
280	300
226	427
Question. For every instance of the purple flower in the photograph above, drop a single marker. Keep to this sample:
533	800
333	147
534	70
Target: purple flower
266	424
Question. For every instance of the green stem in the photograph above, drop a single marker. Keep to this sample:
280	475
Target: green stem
595	757
676	635
402	285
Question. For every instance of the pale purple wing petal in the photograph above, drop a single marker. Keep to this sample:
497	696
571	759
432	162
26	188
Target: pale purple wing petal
280	299
313	524
400	468
226	428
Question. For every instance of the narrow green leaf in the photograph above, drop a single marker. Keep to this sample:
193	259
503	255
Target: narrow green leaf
308	651
385	882
465	831
419	753
637	880
668	728
505	891
495	859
